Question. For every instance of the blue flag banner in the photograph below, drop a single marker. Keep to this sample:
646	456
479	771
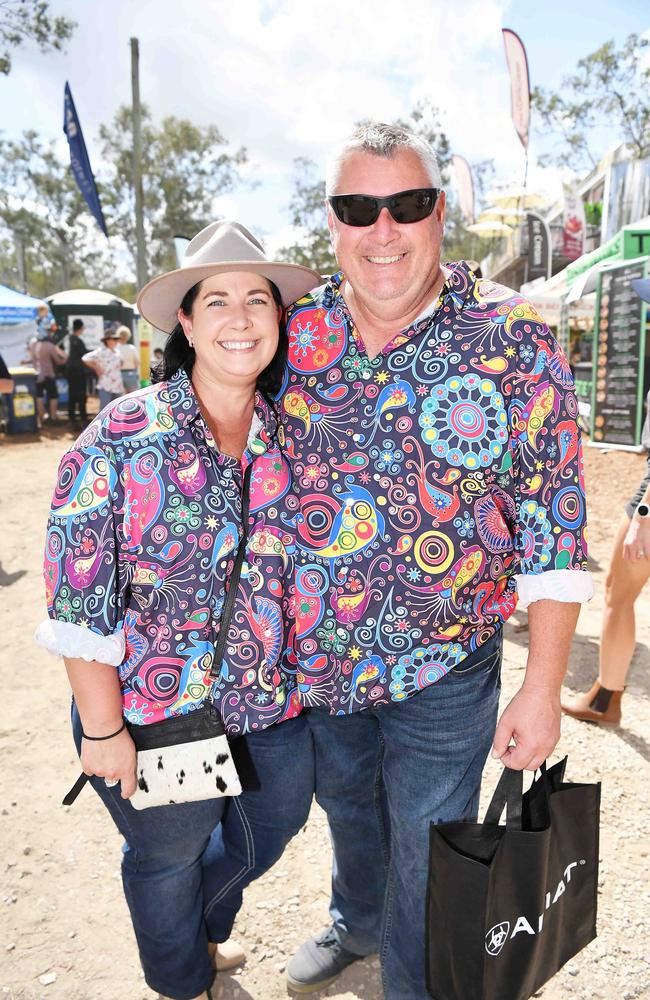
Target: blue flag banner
79	159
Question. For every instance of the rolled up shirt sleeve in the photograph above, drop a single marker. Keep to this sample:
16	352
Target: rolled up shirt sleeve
564	585
81	572
79	642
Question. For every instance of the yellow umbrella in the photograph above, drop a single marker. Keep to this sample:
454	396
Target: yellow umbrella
508	216
489	230
517	198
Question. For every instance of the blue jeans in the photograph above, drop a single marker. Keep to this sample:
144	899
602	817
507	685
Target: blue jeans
382	776
106	397
184	867
131	380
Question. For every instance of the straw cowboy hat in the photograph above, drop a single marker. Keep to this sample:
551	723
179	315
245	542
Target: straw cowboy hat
221	247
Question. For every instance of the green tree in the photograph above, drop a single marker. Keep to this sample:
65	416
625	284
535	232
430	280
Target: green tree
30	20
185	167
459	243
44	224
308	214
610	89
50	241
424	120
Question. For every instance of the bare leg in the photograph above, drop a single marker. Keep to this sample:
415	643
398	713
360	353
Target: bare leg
53	407
625	580
40	410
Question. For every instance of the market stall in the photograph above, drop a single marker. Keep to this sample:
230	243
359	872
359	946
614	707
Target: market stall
603	327
17	324
94	307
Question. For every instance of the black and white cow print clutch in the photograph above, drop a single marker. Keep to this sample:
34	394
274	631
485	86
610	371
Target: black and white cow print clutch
184	759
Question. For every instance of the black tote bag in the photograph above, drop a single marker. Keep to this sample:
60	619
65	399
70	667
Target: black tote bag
507	906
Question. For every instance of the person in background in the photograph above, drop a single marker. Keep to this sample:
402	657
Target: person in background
43	321
6	389
628	573
6	381
47	355
77	374
106	362
130	360
156	361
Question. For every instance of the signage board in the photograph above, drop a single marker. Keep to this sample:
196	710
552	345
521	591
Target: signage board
619	349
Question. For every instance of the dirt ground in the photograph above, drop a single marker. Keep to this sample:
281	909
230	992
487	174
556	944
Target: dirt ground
64	927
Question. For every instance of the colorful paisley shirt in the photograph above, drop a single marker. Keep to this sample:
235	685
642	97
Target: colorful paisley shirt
144	524
427	477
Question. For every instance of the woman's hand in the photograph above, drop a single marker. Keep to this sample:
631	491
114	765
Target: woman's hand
112	759
636	545
98	694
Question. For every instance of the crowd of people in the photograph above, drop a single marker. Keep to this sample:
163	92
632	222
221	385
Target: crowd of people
114	368
403	475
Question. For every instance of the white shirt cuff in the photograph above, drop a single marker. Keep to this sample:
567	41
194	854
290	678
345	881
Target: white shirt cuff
566	585
79	642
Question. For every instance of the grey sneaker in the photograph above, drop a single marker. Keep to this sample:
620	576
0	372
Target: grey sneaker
318	962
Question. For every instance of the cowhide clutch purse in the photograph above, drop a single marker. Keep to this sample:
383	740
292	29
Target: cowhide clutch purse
184	759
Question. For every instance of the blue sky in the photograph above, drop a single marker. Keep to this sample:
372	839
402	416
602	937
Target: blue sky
289	77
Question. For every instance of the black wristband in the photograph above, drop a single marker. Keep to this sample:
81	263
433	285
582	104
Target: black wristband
97	739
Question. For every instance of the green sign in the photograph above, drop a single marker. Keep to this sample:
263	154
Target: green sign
619	350
636	243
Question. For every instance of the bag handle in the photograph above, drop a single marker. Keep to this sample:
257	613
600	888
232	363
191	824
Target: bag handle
233	580
508	795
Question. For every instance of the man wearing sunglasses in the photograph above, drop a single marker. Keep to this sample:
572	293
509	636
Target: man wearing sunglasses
430	417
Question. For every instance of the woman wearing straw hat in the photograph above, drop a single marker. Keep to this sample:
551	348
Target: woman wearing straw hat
105	361
145	519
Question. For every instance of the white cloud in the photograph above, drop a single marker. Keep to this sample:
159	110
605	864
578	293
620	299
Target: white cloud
286	78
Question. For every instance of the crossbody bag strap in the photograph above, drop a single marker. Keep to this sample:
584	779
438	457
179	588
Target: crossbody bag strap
228	606
233	579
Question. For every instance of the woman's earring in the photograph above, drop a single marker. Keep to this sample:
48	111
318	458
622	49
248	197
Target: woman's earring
190	342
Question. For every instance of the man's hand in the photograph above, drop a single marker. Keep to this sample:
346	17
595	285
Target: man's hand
112	759
529	728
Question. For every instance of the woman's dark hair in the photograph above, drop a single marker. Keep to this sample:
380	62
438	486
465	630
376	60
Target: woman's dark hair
178	353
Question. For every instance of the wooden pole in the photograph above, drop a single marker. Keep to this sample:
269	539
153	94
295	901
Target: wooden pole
141	258
19	244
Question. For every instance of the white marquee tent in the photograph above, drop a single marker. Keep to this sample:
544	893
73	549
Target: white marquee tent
17	324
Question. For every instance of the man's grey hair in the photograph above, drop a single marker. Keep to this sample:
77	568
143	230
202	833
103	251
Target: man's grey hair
381	140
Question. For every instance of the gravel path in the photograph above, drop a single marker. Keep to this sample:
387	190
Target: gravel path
64	929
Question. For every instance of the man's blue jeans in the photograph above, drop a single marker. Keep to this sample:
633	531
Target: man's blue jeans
181	890
382	776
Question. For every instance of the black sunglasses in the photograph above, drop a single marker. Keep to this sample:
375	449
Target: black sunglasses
405	206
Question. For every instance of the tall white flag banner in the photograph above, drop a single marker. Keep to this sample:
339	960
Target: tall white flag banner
464	186
519	83
573	224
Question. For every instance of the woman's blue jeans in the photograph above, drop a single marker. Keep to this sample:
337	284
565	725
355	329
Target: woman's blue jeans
184	867
383	776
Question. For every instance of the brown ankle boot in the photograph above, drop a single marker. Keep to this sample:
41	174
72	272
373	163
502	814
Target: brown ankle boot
597	705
